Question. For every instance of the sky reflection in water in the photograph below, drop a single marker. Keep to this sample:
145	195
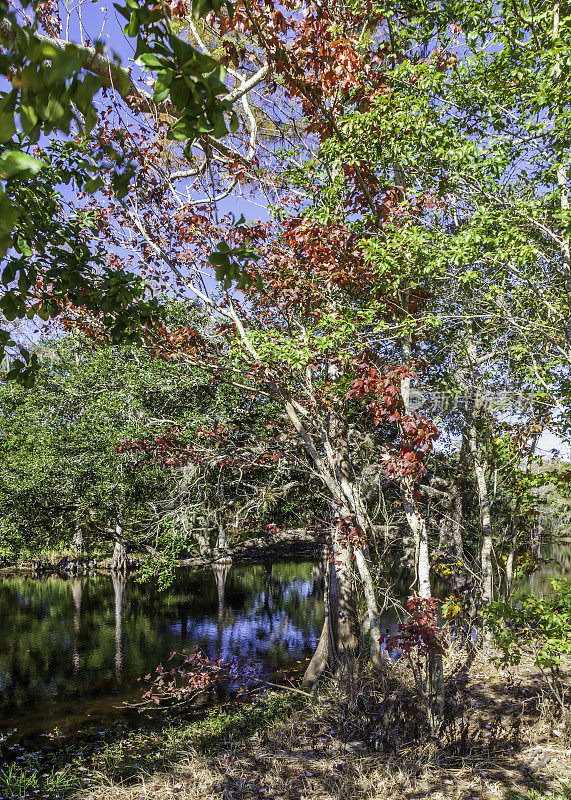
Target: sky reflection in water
72	650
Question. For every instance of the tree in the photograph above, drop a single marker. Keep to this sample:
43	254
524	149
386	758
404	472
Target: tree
60	469
53	86
392	184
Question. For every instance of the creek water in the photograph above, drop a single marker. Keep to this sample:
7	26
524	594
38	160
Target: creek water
72	651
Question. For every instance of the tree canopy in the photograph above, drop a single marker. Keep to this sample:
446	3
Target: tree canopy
394	319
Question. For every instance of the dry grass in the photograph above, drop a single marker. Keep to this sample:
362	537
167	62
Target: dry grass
365	739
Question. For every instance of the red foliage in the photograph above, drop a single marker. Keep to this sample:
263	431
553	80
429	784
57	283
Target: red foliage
195	673
420	632
351	531
169	449
382	393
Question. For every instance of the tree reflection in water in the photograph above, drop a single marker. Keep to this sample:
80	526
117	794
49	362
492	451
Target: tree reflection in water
72	650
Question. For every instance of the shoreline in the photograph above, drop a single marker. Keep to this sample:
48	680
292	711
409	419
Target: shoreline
293	544
500	740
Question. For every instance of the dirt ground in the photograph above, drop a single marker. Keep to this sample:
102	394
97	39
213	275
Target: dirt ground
365	739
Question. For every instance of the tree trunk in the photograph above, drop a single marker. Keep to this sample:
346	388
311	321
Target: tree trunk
320	659
435	687
468	382
348	505
221	539
445	527
407	487
510	559
318	572
486	543
201	534
536	539
372	623
193	531
417	525
456	526
119	562
77	540
343	611
335	470
450	530
340	633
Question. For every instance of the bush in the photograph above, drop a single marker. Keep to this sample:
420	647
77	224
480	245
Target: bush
540	626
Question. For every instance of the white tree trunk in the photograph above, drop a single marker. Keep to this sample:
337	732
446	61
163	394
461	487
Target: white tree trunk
77	541
119	561
510	559
407	485
373	617
417	524
221	540
486	543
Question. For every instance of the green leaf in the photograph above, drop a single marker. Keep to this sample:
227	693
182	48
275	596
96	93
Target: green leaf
7	109
66	65
14	162
28	117
183	128
218	259
10	306
150	60
41	50
219	128
133	26
54	109
8	214
92	185
9	274
161	92
201	7
84	92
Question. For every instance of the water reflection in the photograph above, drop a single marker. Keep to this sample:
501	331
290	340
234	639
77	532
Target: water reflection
119	583
77	594
556	563
73	649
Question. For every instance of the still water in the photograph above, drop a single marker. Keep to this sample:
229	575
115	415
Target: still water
72	650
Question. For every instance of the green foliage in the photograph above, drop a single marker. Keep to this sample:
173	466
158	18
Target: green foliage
51	91
20	781
229	265
540	625
169	541
59	464
127	753
564	793
56	259
192	81
66	460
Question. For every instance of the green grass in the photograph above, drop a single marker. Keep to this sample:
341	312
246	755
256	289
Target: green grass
23	781
127	753
563	793
148	751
